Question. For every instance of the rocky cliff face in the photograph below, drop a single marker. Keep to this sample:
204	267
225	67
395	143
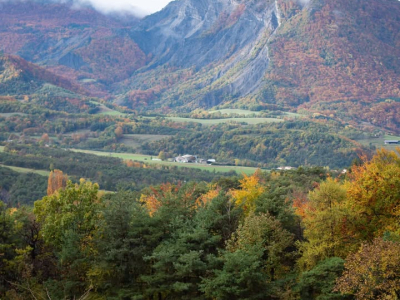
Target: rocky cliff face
226	39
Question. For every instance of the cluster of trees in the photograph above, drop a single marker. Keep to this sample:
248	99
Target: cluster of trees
31	117
356	220
289	235
160	243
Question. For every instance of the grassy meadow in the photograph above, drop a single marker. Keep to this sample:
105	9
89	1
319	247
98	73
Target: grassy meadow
380	142
235	111
27	170
250	121
104	110
136	140
7	115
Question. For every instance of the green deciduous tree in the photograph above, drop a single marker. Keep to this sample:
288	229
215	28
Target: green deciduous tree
69	221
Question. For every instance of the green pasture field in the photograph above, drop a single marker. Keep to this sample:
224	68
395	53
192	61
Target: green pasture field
88	80
249	112
7	115
148	159
79	131
294	115
250	121
104	110
111	113
136	140
1	148
380	142
26	170
235	111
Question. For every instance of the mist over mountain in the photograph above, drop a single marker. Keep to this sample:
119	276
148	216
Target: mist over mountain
138	8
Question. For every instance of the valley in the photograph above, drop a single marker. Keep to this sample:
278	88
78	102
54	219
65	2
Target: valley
215	149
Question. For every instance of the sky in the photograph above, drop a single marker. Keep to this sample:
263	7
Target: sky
142	7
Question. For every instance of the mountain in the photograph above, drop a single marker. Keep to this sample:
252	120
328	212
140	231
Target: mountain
25	81
338	58
76	42
16	71
341	58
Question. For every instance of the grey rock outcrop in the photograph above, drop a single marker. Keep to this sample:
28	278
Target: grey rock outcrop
228	34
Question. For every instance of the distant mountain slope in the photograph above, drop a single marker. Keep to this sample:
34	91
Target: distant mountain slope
339	58
14	68
23	80
78	42
221	44
336	57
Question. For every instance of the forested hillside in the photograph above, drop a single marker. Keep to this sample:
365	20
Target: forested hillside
292	143
282	235
337	58
34	85
76	42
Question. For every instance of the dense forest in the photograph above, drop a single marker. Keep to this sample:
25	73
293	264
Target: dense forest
282	235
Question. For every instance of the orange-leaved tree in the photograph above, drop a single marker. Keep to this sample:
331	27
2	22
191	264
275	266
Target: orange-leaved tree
57	180
172	197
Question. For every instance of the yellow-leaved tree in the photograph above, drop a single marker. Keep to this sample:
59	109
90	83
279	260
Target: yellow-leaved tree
324	217
69	220
373	193
251	188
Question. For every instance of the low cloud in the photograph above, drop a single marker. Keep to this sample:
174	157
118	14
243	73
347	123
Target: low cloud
304	2
137	7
